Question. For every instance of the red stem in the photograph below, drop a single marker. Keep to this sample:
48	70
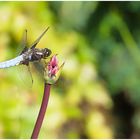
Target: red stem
42	111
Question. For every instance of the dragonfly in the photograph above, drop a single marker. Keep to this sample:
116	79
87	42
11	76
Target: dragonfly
28	54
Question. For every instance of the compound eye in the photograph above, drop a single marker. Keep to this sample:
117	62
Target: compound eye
48	52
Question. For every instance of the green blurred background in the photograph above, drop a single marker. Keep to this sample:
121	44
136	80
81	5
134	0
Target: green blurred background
98	93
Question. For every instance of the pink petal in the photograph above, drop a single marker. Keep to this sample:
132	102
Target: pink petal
54	61
54	71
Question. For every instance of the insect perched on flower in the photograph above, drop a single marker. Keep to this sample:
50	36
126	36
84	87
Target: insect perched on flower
52	70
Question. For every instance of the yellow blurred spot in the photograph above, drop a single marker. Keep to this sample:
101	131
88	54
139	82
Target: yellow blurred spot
99	95
88	73
96	127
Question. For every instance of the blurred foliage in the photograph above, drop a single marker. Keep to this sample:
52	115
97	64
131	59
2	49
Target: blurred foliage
98	93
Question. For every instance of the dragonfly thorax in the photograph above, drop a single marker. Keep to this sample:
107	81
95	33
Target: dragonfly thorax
35	55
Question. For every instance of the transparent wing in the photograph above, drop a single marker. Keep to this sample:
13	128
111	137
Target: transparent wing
38	39
19	76
39	69
24	39
25	76
24	42
23	72
23	46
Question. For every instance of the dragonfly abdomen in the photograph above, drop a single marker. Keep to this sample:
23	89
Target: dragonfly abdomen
12	62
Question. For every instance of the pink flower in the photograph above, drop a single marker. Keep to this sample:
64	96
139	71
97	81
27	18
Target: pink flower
53	66
52	70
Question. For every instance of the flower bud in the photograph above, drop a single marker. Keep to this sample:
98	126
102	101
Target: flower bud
52	70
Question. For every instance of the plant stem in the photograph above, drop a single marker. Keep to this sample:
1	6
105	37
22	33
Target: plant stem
42	111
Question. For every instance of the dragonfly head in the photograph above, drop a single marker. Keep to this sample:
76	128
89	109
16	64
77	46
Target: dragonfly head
47	52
